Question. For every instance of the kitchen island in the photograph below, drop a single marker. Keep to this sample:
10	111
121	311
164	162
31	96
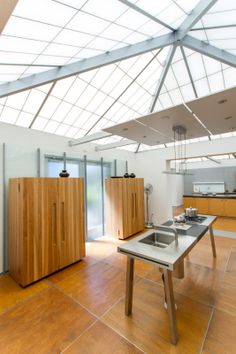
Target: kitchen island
167	258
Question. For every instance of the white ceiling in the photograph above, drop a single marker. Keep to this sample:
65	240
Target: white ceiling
214	114
41	38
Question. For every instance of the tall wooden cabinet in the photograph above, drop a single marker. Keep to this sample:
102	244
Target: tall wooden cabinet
46	226
124	206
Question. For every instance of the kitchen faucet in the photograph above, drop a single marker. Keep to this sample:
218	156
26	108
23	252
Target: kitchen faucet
168	229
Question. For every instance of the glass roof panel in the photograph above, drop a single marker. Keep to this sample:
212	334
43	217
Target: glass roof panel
37	12
20	27
24	119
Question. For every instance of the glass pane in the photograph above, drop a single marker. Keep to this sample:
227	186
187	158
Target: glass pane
54	167
94	200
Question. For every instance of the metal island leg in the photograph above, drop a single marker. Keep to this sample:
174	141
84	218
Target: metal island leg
129	286
169	294
213	246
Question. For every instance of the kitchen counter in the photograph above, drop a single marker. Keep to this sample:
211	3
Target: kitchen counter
167	259
218	195
220	204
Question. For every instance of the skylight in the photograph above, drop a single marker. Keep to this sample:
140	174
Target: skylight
36	40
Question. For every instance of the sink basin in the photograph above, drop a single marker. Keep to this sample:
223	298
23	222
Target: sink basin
158	239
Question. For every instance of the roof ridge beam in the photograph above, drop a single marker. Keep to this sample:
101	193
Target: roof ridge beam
85	65
200	9
163	76
145	13
209	50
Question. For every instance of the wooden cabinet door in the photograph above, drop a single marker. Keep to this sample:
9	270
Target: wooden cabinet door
15	231
138	204
32	269
71	242
202	205
189	202
50	221
217	206
230	207
128	207
114	207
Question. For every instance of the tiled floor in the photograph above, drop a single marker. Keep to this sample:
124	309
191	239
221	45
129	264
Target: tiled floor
81	308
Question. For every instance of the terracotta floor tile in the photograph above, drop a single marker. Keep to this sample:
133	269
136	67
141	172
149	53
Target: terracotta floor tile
226	224
199	283
12	293
102	247
202	254
101	339
74	268
147	327
119	260
231	266
96	287
45	324
221	335
226	296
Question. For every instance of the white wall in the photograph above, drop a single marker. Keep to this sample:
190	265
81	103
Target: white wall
168	189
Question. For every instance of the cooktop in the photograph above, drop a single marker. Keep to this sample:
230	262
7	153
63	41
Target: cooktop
195	219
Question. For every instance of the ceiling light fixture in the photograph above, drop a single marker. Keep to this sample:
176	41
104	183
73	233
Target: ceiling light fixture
180	148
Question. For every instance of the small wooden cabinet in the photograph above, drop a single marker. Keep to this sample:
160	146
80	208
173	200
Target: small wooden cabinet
46	226
124	206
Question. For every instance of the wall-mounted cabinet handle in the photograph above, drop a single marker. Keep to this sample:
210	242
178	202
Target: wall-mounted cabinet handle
54	223
136	207
62	221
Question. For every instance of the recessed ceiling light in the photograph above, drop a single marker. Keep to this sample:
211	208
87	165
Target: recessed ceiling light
222	101
229	117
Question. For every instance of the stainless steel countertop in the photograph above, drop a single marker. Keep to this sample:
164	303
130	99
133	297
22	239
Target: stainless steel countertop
165	257
199	195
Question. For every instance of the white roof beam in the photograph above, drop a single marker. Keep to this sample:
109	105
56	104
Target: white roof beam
7	8
163	76
85	65
209	50
89	138
213	160
42	104
200	9
189	71
141	11
120	143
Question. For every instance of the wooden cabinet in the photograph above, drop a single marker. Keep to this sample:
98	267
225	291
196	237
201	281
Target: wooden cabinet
46	226
230	207
202	205
124	206
189	202
217	206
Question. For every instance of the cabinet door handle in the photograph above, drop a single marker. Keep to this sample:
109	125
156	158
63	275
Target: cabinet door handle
62	221
132	205
135	202
54	223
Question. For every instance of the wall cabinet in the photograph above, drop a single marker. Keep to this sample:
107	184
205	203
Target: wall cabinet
124	206
46	226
